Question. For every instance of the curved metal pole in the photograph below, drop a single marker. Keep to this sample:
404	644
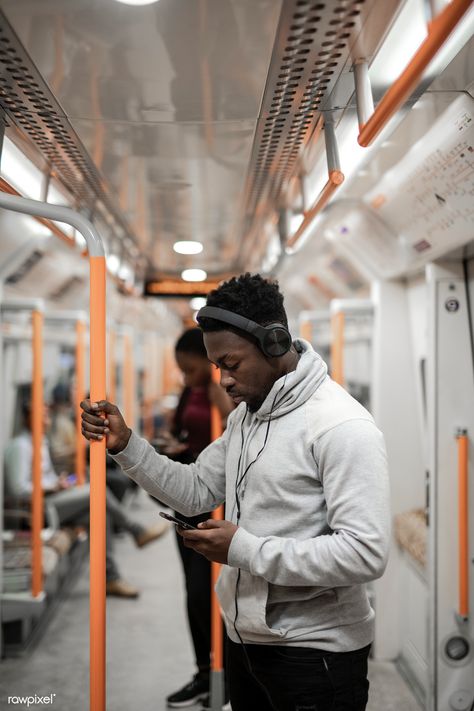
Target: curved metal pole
97	450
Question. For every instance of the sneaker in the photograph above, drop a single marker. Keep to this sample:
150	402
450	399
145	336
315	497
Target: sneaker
196	690
151	534
119	588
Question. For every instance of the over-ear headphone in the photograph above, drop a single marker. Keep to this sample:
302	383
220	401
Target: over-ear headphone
274	340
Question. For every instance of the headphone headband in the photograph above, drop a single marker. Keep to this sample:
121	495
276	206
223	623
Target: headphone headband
274	340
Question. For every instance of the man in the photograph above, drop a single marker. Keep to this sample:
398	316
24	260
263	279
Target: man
70	503
302	469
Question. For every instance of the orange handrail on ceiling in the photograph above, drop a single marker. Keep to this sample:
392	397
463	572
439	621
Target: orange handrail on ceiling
80	393
37	407
463	523
439	30
335	179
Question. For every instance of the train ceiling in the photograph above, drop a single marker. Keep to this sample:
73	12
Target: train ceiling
180	120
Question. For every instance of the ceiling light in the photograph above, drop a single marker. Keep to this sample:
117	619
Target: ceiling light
194	275
18	170
113	263
137	2
126	274
197	303
187	247
296	222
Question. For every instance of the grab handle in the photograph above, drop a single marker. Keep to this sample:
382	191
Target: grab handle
463	522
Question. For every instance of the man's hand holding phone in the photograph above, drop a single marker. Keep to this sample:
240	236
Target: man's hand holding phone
211	539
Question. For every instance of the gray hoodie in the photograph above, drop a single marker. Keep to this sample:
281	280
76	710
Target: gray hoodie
314	525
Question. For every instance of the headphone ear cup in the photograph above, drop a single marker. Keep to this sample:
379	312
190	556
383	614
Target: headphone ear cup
276	342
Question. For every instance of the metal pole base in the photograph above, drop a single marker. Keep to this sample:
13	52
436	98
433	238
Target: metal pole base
217	690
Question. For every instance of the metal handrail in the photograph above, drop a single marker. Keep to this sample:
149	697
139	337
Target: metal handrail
335	179
97	451
439	30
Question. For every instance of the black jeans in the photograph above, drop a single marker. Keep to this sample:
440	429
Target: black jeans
277	678
197	574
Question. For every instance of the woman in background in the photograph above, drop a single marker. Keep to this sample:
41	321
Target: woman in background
190	434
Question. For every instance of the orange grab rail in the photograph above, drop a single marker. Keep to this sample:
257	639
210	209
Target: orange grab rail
336	178
439	30
306	331
37	407
97	497
80	461
217	641
97	356
337	348
463	499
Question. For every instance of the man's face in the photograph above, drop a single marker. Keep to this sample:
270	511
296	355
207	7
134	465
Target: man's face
246	374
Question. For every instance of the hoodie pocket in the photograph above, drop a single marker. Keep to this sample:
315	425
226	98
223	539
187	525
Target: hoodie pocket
298	607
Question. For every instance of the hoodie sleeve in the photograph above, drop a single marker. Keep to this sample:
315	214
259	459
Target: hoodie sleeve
189	488
352	465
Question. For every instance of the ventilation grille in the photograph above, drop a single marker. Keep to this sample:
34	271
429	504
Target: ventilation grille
29	104
311	49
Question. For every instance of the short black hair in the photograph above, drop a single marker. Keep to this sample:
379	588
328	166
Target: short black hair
61	394
191	341
248	295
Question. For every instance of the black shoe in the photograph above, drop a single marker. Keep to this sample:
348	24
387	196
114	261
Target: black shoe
196	690
206	704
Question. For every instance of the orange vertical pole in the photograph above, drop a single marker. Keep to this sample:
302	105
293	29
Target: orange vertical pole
37	408
80	462
217	641
306	331
463	523
147	392
167	368
337	348
112	392
97	496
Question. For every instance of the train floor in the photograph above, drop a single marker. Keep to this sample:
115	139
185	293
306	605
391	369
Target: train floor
148	646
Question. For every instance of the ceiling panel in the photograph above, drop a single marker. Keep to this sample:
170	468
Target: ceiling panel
165	100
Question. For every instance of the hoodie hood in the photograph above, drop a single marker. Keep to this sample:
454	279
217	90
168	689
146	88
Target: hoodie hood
293	389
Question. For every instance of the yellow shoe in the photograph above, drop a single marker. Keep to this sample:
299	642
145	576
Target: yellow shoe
151	534
119	588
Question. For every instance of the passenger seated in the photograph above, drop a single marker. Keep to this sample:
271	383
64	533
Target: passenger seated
62	441
70	502
62	432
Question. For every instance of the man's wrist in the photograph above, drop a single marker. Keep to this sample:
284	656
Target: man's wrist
123	443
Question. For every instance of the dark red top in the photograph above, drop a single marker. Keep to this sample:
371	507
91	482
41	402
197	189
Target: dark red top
193	419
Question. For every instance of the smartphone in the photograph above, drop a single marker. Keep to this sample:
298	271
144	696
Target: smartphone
178	521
